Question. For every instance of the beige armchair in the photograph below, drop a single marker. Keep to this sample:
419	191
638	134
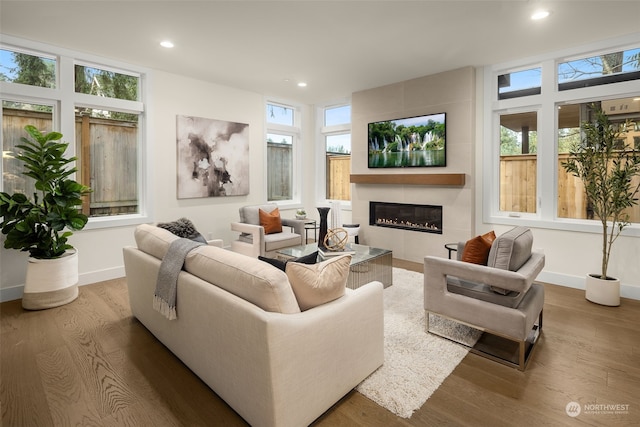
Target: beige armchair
253	241
500	298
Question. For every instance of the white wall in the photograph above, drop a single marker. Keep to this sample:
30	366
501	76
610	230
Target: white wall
171	95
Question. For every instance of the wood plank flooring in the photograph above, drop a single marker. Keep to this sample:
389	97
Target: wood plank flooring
90	363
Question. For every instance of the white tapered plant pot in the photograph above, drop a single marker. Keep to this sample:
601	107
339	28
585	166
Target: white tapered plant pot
51	282
604	292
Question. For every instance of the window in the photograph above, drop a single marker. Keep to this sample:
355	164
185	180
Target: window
280	115
519	83
625	113
518	162
623	65
336	133
280	167
108	143
282	135
26	68
529	133
97	108
109	84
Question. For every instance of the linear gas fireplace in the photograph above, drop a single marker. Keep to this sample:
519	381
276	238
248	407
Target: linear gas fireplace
425	218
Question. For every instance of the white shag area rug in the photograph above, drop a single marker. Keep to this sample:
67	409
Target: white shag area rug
415	363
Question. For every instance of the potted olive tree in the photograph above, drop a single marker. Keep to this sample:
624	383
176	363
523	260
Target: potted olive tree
41	225
606	169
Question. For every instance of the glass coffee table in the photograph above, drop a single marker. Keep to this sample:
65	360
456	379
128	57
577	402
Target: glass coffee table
367	263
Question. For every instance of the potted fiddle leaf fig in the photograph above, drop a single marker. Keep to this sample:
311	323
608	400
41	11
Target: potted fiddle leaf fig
607	169
42	224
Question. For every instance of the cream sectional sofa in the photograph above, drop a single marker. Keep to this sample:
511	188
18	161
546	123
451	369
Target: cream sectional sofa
240	329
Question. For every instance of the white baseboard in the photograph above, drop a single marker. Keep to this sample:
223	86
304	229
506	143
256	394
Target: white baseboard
101	275
15	292
577	282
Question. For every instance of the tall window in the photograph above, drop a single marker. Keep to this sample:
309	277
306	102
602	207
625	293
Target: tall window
518	161
534	118
283	132
624	114
336	132
99	111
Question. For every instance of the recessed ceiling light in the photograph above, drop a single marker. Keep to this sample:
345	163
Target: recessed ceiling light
166	43
539	14
302	84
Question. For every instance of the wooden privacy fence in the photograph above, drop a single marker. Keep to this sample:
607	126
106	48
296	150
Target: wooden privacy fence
338	176
109	164
13	123
280	170
518	190
107	159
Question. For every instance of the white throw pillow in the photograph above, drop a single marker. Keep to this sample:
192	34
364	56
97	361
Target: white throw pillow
316	284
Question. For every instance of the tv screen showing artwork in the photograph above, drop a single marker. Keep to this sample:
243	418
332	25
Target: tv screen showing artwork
408	142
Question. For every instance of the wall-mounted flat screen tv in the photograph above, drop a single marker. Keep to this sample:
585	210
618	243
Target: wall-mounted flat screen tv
409	142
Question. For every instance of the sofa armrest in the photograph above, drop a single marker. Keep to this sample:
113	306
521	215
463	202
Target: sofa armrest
296	224
253	249
256	231
216	242
518	281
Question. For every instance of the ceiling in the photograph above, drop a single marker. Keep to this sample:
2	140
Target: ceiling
337	47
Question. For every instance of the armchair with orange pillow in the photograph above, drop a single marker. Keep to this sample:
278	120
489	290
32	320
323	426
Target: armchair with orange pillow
263	231
491	287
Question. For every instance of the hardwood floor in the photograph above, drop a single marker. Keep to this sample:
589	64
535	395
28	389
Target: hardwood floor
90	363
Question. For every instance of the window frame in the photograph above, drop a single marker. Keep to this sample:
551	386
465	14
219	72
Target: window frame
546	103
322	132
65	99
295	131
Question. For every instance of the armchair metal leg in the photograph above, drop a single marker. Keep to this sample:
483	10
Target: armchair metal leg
485	348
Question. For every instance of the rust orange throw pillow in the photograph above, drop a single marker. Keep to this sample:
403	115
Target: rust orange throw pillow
271	221
477	249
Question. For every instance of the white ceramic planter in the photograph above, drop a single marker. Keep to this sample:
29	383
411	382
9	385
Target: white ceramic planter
51	282
604	292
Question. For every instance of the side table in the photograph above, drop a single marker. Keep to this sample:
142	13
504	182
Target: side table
451	247
310	224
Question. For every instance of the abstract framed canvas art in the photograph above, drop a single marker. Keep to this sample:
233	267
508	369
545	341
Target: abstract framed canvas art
212	158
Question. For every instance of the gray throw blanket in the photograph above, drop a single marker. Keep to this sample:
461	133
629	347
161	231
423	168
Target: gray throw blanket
164	299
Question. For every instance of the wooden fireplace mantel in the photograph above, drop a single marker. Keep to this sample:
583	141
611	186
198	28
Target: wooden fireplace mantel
457	179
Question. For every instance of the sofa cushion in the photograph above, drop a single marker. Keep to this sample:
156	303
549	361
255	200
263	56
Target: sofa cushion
270	221
477	249
238	274
510	251
243	276
316	284
153	240
273	242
